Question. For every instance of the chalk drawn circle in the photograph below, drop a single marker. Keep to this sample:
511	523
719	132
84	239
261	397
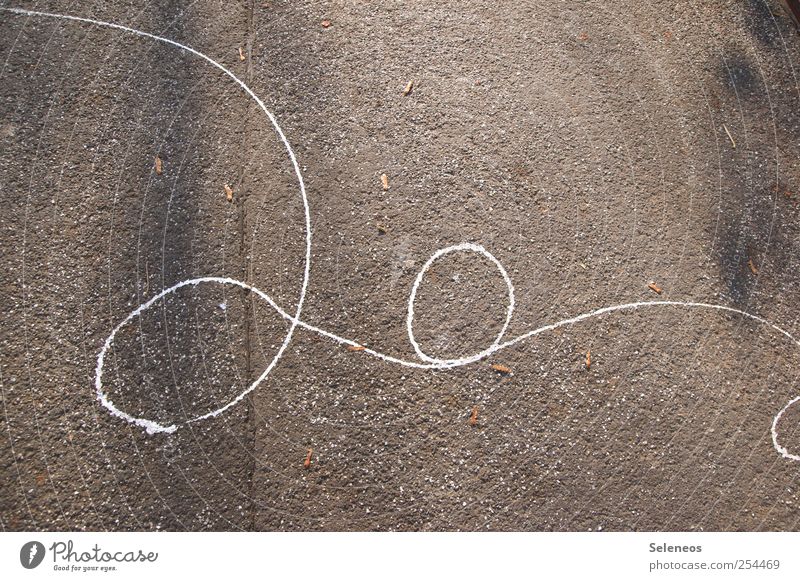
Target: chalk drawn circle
782	450
149	425
466	247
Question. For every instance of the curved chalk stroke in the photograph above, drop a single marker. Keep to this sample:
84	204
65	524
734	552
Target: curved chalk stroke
466	247
428	362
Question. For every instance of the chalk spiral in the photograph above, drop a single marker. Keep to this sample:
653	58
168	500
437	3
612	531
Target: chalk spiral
425	361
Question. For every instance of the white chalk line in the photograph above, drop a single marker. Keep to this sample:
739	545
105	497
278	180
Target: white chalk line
295	321
428	361
149	425
466	247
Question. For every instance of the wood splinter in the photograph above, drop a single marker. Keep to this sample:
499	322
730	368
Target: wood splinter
725	127
473	419
505	370
385	181
752	266
654	287
307	463
409	88
159	166
228	192
356	348
588	359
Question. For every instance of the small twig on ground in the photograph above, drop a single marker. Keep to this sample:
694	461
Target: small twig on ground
505	370
473	419
725	127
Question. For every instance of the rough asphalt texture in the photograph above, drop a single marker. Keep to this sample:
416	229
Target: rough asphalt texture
584	144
